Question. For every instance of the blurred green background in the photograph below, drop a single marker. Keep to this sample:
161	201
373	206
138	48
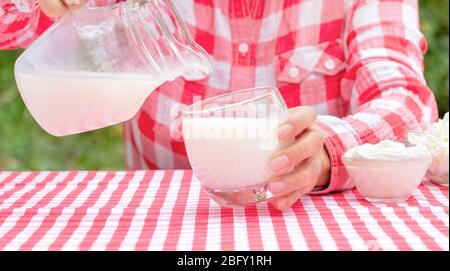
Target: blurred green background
25	146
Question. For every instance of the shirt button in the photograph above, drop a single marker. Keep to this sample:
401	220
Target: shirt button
244	48
294	72
330	64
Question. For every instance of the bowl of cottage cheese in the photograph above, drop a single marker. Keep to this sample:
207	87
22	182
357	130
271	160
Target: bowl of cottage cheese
388	171
436	140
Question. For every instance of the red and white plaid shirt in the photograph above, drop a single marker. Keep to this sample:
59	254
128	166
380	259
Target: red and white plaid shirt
358	63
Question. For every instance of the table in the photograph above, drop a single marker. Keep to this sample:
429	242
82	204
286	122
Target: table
168	210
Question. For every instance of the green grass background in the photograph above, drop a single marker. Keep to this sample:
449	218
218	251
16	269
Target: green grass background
25	146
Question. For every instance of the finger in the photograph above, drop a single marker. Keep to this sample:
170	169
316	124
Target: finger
74	4
287	201
302	178
310	143
298	119
53	8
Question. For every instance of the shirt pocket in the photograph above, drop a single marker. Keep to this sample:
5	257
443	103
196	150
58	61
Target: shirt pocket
310	64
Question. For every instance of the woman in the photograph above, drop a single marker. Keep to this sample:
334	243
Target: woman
357	64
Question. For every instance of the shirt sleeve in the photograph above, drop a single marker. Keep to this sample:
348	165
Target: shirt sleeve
22	21
388	93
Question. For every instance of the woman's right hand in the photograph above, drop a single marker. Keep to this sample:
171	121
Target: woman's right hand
56	8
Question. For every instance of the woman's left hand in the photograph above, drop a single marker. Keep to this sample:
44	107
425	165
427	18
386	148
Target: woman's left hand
303	165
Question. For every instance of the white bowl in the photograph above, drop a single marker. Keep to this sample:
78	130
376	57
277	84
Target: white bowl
438	171
439	168
387	181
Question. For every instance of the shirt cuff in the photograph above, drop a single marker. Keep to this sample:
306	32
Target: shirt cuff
339	178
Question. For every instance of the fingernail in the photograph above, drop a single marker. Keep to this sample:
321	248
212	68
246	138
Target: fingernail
277	187
279	162
285	131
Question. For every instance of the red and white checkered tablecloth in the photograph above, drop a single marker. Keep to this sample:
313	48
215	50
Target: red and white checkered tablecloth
167	210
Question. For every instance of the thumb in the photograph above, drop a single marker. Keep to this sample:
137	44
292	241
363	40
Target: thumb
57	8
74	4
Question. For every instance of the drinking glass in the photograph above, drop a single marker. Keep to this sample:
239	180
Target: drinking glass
229	141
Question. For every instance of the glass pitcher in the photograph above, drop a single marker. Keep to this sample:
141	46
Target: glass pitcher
96	66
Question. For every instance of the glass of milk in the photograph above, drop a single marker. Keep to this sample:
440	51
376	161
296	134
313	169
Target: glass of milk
229	140
96	66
